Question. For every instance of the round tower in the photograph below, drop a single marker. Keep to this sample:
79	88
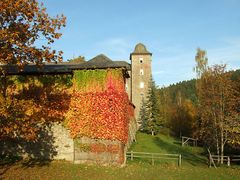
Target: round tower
141	72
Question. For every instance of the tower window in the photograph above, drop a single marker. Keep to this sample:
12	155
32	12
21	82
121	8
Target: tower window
141	60
141	72
141	85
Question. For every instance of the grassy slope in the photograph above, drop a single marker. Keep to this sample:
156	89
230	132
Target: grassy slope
164	144
194	166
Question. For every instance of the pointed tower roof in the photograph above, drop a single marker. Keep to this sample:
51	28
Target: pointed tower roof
140	49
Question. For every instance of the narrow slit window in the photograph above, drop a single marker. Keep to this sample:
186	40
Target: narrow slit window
141	85
141	72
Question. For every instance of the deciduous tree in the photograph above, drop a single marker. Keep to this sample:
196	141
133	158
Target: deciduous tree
26	33
217	105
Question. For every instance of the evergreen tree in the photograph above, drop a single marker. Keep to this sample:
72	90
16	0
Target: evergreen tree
150	113
143	116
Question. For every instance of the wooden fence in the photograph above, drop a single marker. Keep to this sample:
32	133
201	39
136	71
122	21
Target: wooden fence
154	156
227	159
187	140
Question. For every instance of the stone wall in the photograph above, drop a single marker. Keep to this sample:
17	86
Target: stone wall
132	130
63	143
53	142
103	152
96	151
141	75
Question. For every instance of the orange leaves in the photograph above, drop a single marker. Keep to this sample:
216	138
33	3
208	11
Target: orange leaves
101	113
32	104
22	23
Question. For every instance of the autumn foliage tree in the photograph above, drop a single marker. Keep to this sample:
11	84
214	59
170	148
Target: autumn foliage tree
182	116
218	98
32	104
26	33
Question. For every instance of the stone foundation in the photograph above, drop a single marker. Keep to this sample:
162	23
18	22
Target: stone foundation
53	142
96	151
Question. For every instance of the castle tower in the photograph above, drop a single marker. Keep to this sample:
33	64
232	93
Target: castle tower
141	60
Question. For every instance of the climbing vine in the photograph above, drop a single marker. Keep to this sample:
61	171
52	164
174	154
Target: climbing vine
92	103
99	107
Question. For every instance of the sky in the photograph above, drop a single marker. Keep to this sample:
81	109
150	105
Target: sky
172	30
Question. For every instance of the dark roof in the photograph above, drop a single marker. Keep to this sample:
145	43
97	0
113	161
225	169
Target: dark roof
140	49
99	62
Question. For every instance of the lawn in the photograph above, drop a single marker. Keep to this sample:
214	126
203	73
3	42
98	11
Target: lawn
194	156
194	165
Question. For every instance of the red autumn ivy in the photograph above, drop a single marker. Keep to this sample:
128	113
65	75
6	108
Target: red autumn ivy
102	115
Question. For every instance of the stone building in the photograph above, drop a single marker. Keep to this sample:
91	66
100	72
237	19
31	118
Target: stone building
138	73
141	71
55	141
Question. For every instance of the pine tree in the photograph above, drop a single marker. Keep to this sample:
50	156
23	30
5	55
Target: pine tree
150	112
143	116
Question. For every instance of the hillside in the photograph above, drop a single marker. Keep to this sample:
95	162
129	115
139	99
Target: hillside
193	167
169	145
186	88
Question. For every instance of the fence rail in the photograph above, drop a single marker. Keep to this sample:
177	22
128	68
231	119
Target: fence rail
187	140
154	156
228	159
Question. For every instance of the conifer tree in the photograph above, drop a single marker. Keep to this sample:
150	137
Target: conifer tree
143	116
150	113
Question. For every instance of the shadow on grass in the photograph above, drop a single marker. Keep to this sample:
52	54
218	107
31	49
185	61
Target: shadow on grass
38	152
187	155
7	163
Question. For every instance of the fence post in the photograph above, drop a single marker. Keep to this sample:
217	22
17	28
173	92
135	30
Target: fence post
209	158
228	161
152	160
131	155
179	160
73	151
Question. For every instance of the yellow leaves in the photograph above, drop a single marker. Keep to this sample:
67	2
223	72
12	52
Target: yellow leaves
30	105
23	22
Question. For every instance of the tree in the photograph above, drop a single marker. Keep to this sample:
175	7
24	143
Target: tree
217	106
150	112
79	59
182	116
26	33
143	116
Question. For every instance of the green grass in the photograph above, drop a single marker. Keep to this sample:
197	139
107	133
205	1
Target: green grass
194	165
63	170
168	145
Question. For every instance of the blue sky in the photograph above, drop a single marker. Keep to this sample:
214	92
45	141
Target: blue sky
172	30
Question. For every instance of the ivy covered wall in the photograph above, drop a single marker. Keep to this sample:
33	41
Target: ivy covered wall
90	104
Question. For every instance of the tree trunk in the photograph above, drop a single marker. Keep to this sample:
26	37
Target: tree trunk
152	132
218	152
222	146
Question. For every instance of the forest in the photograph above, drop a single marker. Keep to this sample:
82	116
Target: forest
206	108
